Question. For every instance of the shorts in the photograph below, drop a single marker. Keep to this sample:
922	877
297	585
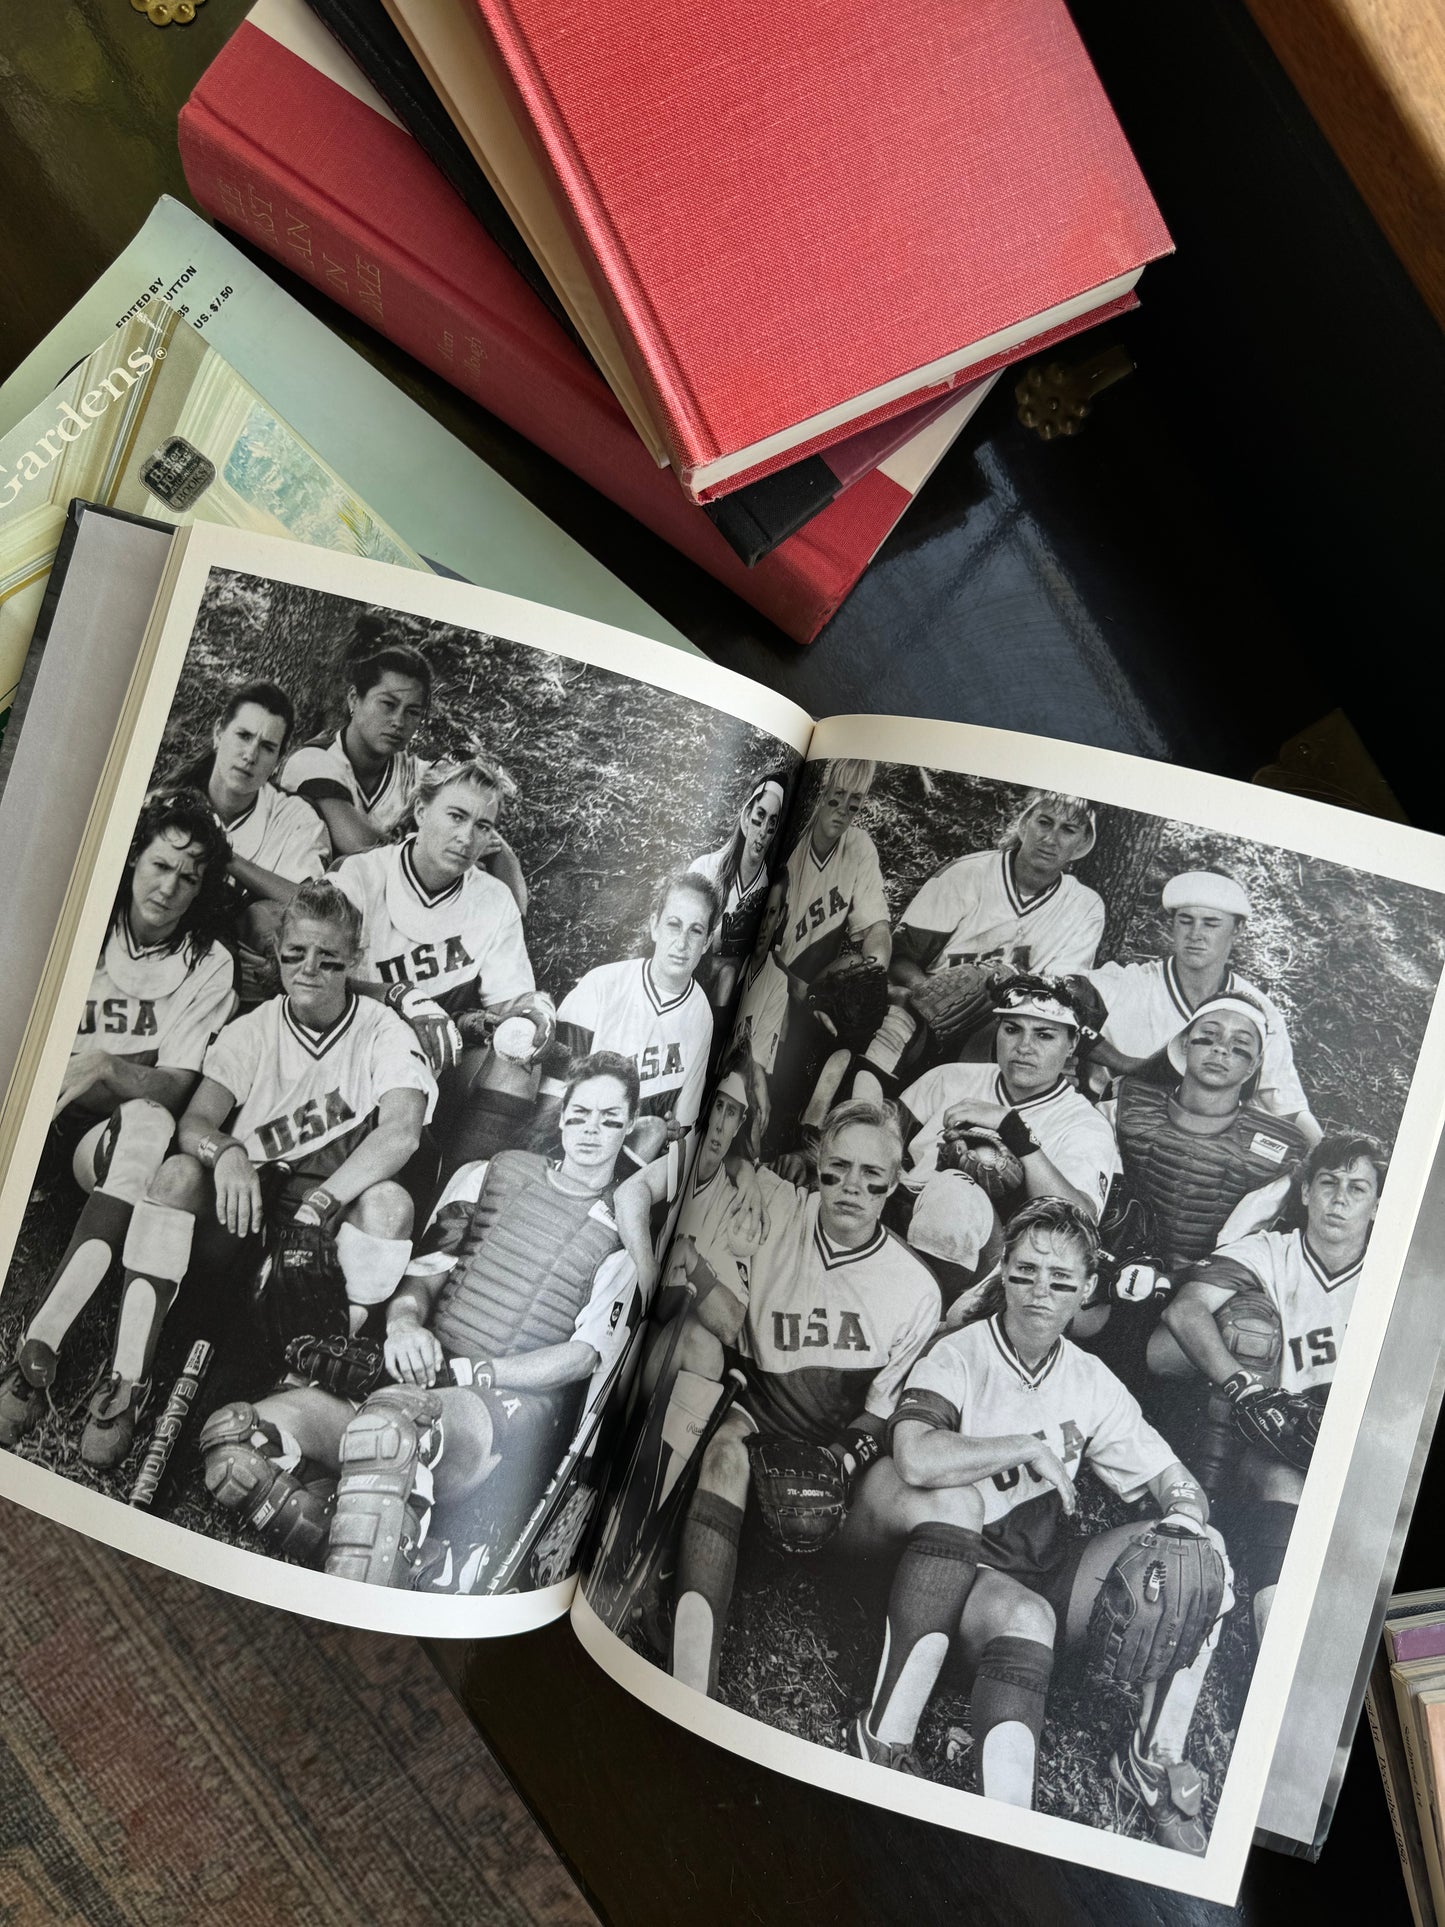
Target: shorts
1056	1586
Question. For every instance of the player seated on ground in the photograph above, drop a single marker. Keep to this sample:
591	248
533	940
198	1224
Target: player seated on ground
442	943
1194	1151
307	1109
653	1011
1262	1321
837	912
762	1010
163	987
983	1138
837	1311
519	1292
1152	1001
739	873
987	1441
1007	910
277	841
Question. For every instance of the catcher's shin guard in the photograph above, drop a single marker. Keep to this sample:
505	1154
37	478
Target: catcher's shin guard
384	1494
251	1467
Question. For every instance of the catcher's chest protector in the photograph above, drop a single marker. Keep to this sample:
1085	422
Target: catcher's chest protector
1193	1183
525	1267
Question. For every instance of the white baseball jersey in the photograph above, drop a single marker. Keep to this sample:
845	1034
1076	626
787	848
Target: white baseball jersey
830	1334
705	1219
830	900
323	770
163	1006
975	1383
973	905
1147	1007
282	834
464	946
299	1091
1072	1134
618	1007
1313	1304
762	1012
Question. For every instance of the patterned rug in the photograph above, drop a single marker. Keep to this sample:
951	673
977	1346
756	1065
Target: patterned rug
170	1755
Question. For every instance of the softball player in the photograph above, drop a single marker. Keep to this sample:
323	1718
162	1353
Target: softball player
987	1441
1152	1001
739	872
164	986
1015	908
1308	1277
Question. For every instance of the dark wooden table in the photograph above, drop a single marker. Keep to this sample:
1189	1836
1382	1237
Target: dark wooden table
1245	536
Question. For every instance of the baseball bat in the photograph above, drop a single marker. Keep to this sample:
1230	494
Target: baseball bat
639	1565
171	1424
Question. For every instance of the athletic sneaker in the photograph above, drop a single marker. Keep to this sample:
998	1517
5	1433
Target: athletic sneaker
894	1753
115	1408
1170	1792
23	1389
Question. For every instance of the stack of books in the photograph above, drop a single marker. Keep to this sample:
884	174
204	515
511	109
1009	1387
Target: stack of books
748	279
1405	1705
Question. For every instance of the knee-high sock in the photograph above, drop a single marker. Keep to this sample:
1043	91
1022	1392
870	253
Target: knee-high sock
707	1564
96	1244
1167	1712
930	1590
1006	1714
157	1252
372	1267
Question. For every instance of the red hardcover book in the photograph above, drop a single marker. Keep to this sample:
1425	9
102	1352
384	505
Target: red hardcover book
805	220
309	164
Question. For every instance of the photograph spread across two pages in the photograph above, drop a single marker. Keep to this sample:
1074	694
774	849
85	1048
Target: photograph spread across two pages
894	1226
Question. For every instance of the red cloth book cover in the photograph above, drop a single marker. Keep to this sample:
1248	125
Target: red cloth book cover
792	210
321	176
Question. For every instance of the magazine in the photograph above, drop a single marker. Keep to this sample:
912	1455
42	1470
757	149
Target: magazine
891	1225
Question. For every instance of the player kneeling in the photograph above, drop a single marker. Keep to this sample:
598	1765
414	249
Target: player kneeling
987	1440
1263	1320
520	1292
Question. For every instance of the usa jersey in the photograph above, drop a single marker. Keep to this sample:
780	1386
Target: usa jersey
282	834
973	910
464	946
1071	1133
1147	1007
619	1007
762	1013
300	1091
156	1005
829	900
323	771
1314	1304
975	1383
829	1334
742	904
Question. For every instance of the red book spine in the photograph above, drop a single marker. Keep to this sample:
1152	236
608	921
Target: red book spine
343	197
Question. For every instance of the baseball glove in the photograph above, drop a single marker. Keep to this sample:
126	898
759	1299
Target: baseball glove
1157	1604
800	1491
301	1288
953	1003
983	1156
349	1367
851	999
1284	1424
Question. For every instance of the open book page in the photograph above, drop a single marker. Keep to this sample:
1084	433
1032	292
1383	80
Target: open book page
381	1019
1054	1338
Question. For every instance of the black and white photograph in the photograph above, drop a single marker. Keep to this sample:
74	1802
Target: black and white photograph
387	1081
995	1345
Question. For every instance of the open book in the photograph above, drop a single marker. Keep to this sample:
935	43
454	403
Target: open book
917	1218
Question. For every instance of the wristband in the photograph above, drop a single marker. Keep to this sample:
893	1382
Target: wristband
856	1450
1238	1384
479	1373
1016	1136
394	994
208	1149
320	1201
